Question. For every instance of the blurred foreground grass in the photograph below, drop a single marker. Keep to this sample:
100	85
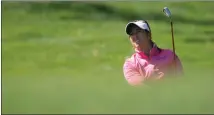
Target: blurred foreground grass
67	57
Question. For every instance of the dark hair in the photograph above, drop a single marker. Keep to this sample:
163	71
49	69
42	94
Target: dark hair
150	31
148	26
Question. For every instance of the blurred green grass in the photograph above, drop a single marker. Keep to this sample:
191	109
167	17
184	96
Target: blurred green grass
67	57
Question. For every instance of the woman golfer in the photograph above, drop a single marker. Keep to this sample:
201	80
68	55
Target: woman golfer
149	61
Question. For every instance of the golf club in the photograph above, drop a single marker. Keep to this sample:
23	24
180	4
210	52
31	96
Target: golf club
168	14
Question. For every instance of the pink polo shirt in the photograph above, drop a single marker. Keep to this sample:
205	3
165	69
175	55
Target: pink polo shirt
140	67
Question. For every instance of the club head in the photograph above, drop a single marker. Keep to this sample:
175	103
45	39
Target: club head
167	12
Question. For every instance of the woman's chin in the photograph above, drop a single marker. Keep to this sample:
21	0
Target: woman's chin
137	45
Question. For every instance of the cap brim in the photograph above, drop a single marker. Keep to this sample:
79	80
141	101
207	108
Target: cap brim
139	24
129	27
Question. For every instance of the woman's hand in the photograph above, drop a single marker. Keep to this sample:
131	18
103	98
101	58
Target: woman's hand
158	74
153	72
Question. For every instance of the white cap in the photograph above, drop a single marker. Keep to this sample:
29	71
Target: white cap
140	23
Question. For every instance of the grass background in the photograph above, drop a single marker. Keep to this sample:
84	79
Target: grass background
67	57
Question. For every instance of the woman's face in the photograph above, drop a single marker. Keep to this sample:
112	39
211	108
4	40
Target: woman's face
138	37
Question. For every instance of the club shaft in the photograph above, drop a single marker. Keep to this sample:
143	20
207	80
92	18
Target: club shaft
173	46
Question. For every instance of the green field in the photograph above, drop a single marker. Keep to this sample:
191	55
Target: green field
67	57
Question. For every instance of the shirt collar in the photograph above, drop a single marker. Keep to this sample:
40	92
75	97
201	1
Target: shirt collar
153	52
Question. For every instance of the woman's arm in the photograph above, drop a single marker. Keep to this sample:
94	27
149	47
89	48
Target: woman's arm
132	75
136	76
